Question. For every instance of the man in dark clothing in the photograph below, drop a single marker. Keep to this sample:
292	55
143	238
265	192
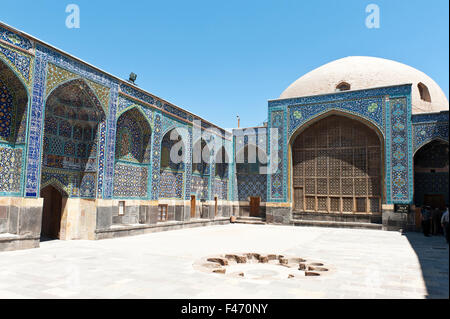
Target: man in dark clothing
426	220
445	224
436	221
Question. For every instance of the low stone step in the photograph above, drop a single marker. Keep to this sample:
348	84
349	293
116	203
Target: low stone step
338	217
320	223
250	220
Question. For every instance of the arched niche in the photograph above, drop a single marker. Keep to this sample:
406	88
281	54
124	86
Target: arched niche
336	164
431	174
73	115
133	137
201	158
13	107
133	154
251	174
172	164
14	102
222	162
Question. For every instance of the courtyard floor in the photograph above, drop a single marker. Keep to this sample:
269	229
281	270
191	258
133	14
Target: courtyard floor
363	264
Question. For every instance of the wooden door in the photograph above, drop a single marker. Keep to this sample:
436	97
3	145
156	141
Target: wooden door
192	206
51	212
418	217
298	199
215	206
254	206
435	201
163	212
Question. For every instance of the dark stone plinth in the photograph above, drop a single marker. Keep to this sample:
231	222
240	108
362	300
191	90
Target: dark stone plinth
278	215
18	243
394	221
337	217
105	217
30	221
152	217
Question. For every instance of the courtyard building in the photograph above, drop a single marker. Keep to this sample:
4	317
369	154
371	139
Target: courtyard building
360	142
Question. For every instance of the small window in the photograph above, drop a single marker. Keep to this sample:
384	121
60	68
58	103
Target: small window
121	208
424	93
343	86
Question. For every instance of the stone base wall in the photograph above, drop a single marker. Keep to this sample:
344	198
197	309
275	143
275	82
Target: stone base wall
337	217
9	243
21	218
278	214
397	221
20	223
242	209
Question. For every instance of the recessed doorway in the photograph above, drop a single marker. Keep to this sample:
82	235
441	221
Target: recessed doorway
192	206
51	213
254	206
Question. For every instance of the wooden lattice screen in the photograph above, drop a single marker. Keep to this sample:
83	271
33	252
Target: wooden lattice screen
337	167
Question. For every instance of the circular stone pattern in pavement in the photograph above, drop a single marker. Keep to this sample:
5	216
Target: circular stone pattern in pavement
261	266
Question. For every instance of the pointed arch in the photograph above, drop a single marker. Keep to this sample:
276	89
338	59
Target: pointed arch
424	143
25	79
14	101
56	184
70	108
137	108
174	143
249	160
431	173
133	137
201	157
298	130
222	161
84	87
173	160
349	153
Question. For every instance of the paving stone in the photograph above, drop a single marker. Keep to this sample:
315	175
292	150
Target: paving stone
363	264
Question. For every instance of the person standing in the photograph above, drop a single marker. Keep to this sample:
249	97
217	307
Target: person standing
445	224
436	221
426	220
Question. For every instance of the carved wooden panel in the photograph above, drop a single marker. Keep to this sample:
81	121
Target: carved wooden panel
337	164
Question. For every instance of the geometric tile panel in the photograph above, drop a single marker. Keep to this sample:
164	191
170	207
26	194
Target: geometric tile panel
251	186
399	160
10	169
15	39
425	132
171	186
130	181
199	186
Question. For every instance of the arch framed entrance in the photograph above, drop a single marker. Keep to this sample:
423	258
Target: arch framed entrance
337	166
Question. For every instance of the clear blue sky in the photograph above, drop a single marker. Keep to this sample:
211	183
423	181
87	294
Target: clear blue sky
222	58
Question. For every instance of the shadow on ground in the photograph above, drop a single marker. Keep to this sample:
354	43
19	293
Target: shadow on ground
433	255
44	239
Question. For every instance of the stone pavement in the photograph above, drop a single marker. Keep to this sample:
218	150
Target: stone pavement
363	264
